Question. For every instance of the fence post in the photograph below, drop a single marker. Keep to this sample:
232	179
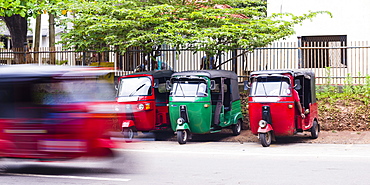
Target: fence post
234	62
300	59
83	58
25	49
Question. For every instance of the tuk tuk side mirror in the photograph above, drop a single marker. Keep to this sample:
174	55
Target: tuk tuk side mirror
213	85
297	84
246	85
156	82
168	85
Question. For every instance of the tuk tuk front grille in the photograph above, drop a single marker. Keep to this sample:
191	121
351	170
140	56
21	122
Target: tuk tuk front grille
184	113
266	114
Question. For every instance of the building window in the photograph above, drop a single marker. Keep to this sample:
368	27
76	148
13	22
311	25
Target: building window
328	51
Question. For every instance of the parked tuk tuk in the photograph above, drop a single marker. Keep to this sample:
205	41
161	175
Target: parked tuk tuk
282	103
54	113
143	99
204	101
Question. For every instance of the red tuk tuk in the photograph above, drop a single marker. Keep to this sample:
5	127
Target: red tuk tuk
53	113
142	98
282	103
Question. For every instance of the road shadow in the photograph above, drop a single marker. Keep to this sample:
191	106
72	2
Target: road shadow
298	138
225	135
49	170
118	165
211	137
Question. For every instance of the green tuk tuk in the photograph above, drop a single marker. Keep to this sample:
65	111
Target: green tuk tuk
204	101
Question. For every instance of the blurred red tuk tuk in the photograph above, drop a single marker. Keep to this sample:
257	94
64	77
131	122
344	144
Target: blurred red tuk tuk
282	103
53	113
143	102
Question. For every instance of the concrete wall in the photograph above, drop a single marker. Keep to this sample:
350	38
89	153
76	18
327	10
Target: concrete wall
350	18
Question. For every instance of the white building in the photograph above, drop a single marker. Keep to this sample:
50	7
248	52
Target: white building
337	46
350	18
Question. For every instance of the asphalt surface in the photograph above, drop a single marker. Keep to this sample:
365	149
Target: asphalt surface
167	162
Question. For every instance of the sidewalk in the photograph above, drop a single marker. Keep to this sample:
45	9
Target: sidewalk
343	137
328	137
325	137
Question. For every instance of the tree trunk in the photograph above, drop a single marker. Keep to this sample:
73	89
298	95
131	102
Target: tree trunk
36	45
17	26
52	38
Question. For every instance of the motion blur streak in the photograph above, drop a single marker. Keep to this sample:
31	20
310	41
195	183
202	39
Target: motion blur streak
56	113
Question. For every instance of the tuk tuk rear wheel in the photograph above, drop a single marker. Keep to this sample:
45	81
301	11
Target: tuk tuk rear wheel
265	139
237	128
128	133
315	129
182	136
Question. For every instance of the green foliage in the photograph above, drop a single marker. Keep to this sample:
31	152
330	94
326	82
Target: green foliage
198	26
61	62
19	7
31	8
331	93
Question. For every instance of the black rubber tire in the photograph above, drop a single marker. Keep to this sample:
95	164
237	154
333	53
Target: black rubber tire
315	129
265	139
128	133
237	128
182	136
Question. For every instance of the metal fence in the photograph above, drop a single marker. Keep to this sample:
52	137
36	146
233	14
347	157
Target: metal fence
332	63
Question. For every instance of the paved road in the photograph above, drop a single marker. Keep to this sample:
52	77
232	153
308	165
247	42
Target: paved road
164	162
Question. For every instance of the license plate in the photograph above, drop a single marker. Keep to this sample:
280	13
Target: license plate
58	145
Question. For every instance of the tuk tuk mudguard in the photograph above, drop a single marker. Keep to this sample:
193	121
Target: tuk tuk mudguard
127	123
184	126
266	129
237	116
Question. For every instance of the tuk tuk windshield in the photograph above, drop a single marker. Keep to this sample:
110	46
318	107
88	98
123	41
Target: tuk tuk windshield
270	86
189	88
56	92
135	86
73	91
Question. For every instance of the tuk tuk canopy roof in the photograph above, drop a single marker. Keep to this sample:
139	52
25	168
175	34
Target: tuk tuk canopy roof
156	73
30	72
208	73
295	72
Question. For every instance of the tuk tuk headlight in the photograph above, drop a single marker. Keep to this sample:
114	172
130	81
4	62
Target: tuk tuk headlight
262	123
145	106
140	106
180	121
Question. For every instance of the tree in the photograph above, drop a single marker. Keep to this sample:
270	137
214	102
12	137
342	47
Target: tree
196	25
15	14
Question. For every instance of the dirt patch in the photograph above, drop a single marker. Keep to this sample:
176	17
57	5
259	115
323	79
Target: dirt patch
344	115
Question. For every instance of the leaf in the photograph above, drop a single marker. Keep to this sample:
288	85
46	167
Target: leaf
199	26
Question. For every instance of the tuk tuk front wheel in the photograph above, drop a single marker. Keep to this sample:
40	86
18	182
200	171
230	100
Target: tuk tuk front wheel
128	133
182	136
315	130
265	139
237	128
